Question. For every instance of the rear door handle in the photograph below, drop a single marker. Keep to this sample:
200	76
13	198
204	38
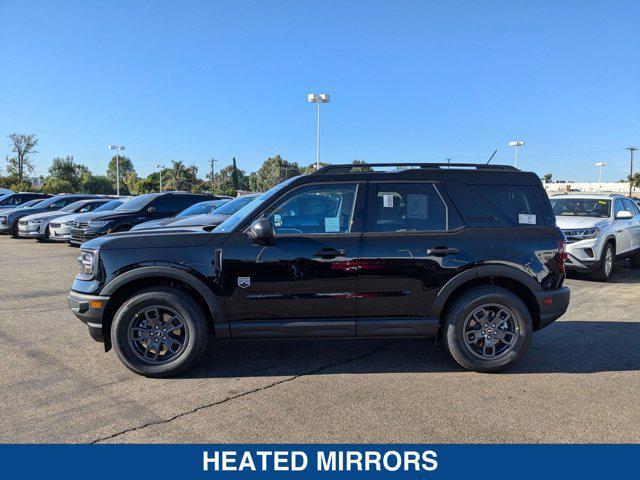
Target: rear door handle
329	253
441	251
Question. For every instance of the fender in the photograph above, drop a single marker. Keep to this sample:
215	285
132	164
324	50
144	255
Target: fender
483	271
220	323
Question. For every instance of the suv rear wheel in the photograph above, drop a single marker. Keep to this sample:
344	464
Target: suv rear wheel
487	329
603	271
159	332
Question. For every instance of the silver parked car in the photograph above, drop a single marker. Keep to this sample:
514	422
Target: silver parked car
598	229
37	225
60	228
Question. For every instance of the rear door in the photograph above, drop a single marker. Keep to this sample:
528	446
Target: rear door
414	242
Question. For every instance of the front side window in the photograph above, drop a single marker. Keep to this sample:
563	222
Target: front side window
631	206
315	210
617	207
166	204
406	207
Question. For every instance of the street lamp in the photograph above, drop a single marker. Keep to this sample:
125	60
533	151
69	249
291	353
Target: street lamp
600	165
118	149
516	143
160	167
631	150
318	99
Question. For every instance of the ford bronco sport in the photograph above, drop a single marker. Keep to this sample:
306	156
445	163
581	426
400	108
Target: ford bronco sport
468	252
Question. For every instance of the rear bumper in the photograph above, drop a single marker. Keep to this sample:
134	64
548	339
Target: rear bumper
552	304
89	309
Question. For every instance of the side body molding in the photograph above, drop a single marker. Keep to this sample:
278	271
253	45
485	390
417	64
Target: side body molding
482	271
221	325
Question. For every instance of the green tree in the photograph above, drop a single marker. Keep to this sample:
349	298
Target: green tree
23	146
235	179
227	185
126	167
66	169
58	185
312	168
252	182
275	170
179	176
547	177
360	169
99	184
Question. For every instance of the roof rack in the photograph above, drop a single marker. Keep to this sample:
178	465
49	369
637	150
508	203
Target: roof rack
348	168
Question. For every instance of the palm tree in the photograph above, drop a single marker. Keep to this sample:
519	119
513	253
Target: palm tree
175	175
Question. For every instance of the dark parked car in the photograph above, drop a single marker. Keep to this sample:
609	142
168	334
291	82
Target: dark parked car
13	200
468	252
12	218
152	206
195	210
211	219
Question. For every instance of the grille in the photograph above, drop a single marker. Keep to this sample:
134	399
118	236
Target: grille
54	225
80	225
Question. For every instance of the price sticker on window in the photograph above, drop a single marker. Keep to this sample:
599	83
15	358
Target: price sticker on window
387	201
527	218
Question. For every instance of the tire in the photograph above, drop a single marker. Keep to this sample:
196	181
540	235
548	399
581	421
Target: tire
459	318
193	336
47	234
14	230
602	272
634	260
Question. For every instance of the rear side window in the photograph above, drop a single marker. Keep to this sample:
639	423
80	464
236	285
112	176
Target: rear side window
166	204
497	205
406	207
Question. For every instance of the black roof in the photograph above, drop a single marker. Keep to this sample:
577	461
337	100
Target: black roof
472	173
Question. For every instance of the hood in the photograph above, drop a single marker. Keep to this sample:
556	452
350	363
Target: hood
154	224
48	215
23	212
114	215
67	218
203	220
85	217
569	222
150	239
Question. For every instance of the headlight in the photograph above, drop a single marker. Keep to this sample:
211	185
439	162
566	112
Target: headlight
3	219
88	264
581	233
36	222
99	223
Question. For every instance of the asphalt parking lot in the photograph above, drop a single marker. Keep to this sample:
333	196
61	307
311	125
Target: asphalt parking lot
578	383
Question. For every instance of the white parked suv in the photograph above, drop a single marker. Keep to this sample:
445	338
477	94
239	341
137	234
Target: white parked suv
598	229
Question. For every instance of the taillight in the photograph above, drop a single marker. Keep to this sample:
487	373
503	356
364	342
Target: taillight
562	255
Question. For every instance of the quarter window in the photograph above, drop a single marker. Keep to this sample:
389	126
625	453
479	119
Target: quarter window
313	210
406	207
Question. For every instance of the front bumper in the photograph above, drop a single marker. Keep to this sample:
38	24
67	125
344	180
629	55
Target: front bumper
30	231
584	254
60	233
552	304
89	309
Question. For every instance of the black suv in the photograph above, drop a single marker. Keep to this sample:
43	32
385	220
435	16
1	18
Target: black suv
468	252
13	200
152	206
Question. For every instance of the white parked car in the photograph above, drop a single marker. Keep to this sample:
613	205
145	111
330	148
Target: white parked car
598	229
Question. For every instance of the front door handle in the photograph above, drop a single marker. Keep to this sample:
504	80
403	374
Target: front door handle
441	251
329	253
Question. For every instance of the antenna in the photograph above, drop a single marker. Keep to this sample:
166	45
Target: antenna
492	155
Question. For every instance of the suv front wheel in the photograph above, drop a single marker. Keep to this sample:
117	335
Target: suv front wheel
487	329
159	332
603	271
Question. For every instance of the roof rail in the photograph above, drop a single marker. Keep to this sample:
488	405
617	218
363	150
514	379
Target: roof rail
348	168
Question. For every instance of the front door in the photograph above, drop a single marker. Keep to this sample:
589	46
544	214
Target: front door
413	244
302	282
623	228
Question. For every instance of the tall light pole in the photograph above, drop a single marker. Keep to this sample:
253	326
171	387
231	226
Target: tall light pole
160	169
318	99
631	150
600	165
213	174
516	143
118	149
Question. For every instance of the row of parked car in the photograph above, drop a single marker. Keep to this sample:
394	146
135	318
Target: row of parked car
77	218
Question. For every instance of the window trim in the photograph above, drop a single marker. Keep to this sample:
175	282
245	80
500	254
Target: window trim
371	208
262	213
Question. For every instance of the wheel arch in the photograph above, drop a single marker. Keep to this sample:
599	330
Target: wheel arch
509	278
127	284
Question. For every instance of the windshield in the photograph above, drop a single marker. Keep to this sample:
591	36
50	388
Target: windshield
107	207
30	203
581	207
201	208
234	220
137	203
234	205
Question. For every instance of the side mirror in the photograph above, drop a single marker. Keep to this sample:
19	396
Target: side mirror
151	210
261	229
624	215
84	210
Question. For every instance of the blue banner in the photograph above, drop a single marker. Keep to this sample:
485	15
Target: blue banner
337	461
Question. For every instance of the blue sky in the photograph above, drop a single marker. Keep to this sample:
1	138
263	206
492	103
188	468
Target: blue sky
410	81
